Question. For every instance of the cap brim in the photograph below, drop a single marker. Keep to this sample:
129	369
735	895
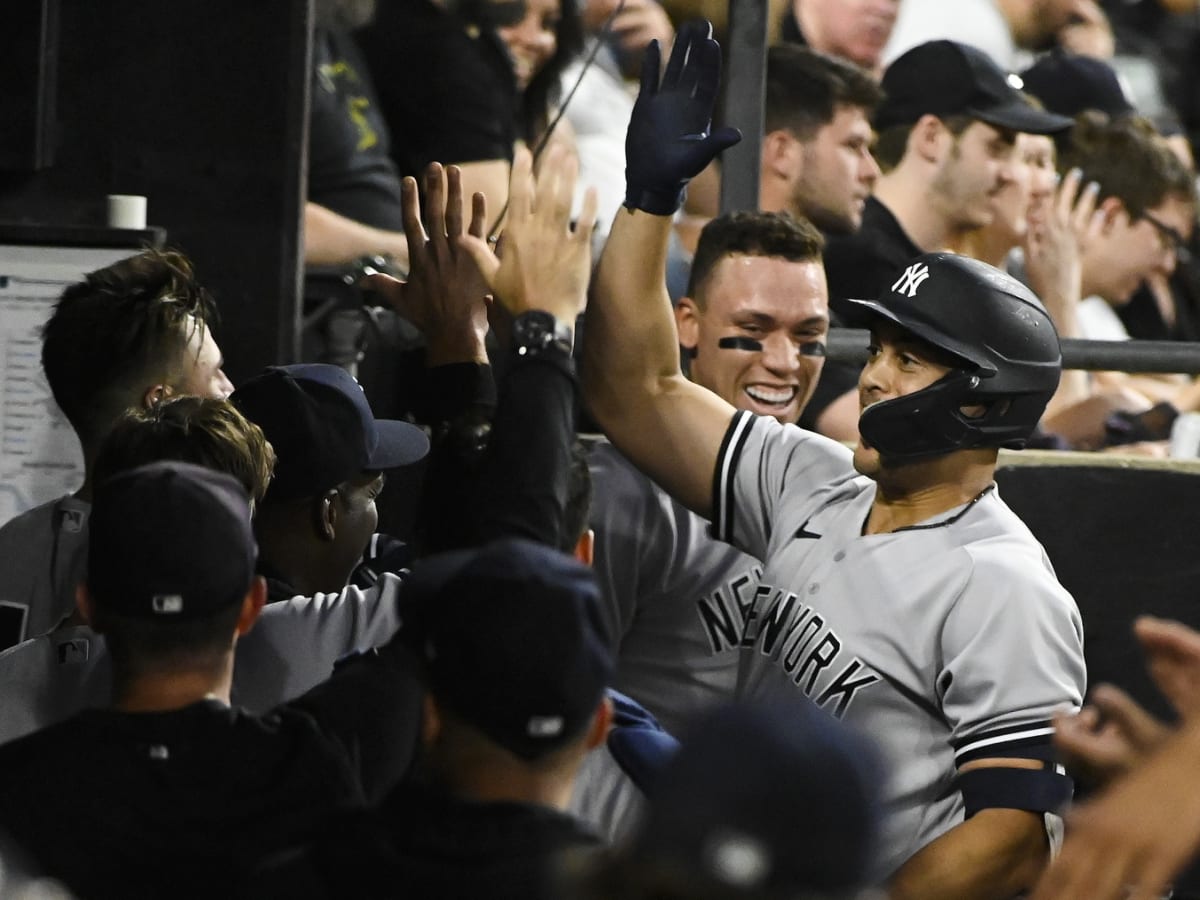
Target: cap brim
1020	116
400	444
862	313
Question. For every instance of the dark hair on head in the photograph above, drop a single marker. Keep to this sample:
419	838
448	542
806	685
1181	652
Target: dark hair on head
200	430
892	142
117	332
1128	159
579	499
539	104
805	88
751	233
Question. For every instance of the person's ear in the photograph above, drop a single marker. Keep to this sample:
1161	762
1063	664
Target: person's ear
930	139
585	547
325	515
1114	213
601	723
687	323
781	155
252	605
156	395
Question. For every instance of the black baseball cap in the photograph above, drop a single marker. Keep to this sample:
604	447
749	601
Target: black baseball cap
1069	84
513	642
170	541
320	424
768	798
946	78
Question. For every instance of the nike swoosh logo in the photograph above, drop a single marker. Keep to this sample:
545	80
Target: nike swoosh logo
803	532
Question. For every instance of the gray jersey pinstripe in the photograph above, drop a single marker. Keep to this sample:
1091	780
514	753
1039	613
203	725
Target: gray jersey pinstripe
946	641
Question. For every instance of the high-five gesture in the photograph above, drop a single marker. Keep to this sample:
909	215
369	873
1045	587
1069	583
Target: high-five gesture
544	260
444	295
669	139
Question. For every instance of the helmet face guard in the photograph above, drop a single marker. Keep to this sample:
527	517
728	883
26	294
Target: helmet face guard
932	421
1005	343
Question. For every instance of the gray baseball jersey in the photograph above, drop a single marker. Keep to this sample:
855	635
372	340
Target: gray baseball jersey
291	649
674	596
43	556
946	641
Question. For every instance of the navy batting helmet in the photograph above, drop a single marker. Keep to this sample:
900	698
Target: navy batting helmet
1001	335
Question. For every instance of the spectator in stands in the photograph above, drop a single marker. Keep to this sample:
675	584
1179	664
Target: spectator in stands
129	335
1006	30
855	30
817	164
947	134
353	206
817	161
463	83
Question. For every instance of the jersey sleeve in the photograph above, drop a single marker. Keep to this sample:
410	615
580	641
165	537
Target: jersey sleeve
765	469
1012	657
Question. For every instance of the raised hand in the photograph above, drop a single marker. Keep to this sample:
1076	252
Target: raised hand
544	260
669	140
1054	246
445	293
1173	654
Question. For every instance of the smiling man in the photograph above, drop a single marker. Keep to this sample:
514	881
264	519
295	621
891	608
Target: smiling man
753	327
898	592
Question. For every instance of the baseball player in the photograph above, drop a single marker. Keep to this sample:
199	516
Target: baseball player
753	325
898	592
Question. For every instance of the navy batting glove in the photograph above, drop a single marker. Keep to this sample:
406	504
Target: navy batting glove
669	142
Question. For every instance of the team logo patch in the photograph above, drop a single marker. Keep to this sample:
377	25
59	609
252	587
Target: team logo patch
912	279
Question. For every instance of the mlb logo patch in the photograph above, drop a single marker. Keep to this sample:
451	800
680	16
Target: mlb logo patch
167	604
545	726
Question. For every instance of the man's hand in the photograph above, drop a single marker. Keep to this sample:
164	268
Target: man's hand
1132	840
1109	737
1173	652
544	262
669	141
445	294
1054	242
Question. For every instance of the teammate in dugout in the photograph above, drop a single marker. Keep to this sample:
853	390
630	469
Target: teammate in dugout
899	592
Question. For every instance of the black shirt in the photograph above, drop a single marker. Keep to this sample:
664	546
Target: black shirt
861	265
350	169
447	91
424	842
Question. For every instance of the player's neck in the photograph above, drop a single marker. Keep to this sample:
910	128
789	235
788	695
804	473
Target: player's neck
918	492
164	692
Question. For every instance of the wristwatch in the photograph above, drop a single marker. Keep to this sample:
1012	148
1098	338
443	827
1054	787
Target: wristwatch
536	331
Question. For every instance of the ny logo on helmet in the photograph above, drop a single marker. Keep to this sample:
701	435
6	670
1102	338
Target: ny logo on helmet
911	279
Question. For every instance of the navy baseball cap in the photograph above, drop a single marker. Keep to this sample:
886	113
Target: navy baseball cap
774	798
320	424
1069	84
170	541
946	78
513	642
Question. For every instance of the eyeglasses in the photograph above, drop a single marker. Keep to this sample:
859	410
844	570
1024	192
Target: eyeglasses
1170	239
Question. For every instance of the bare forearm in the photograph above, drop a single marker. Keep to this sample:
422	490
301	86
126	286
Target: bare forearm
631	343
331	239
996	854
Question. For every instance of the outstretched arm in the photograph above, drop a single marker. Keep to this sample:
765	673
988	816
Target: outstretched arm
669	427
